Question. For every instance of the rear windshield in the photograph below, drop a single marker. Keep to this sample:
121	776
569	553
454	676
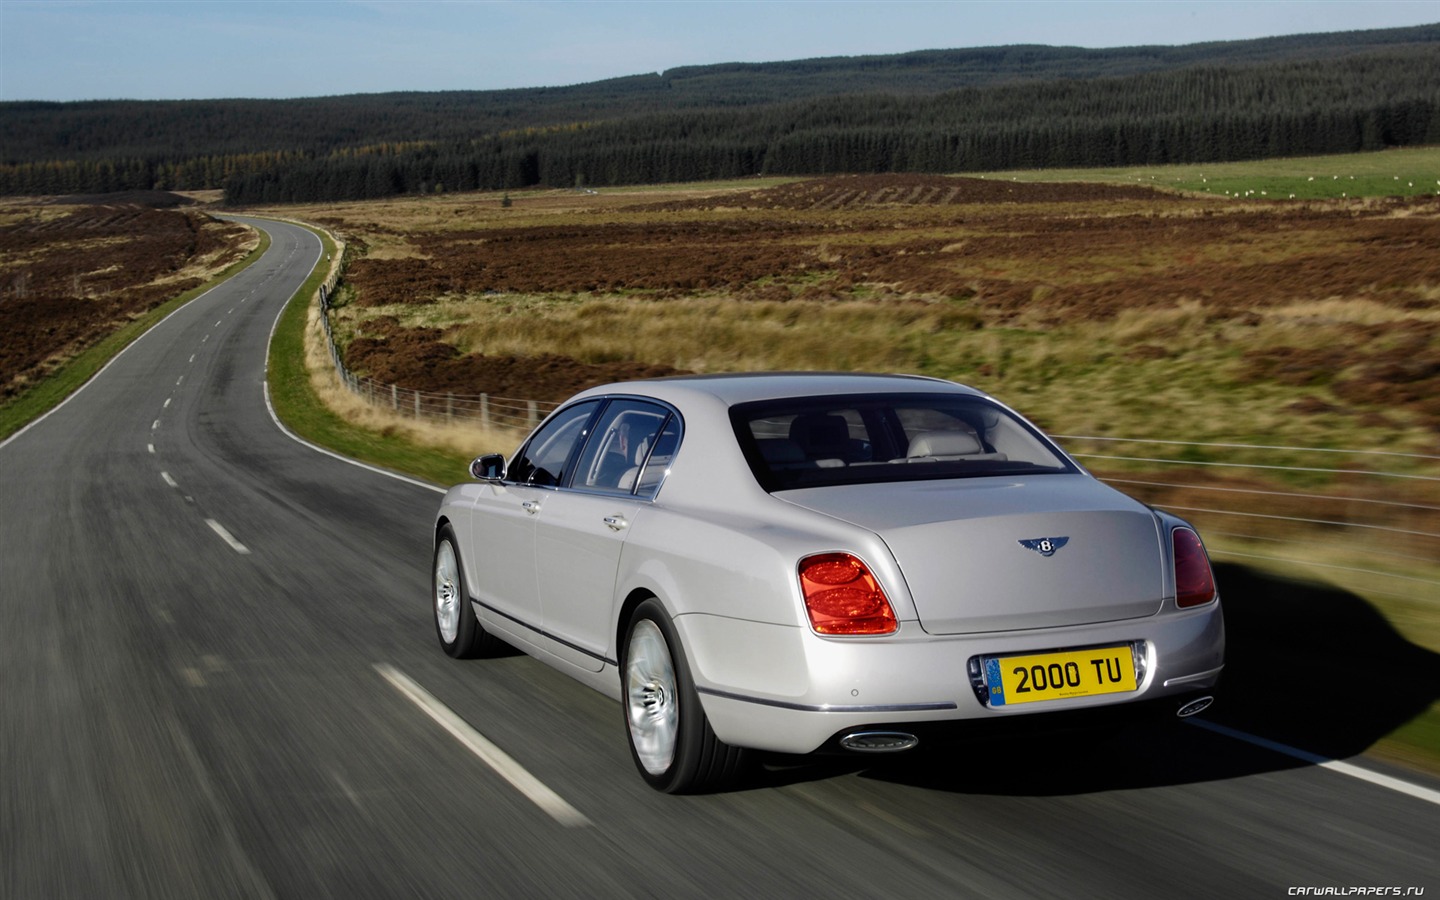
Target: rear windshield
818	441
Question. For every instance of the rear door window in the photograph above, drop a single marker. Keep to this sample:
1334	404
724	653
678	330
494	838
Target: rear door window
622	442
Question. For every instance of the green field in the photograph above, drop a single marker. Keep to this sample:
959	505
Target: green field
1402	172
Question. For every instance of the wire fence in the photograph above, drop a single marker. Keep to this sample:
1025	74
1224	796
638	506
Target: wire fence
484	410
1370	521
1366	519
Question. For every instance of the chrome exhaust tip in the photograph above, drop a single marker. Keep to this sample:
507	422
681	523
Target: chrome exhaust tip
879	741
1198	705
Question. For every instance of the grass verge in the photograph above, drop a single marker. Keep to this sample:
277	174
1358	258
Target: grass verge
301	409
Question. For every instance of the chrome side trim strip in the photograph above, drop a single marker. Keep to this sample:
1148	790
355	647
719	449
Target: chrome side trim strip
1187	679
545	634
831	708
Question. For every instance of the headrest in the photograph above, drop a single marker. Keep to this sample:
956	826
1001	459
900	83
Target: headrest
944	443
779	450
819	431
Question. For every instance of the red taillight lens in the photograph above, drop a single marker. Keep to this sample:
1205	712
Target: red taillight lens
1194	582
842	597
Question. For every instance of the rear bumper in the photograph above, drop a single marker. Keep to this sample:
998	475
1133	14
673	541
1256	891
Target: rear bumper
789	691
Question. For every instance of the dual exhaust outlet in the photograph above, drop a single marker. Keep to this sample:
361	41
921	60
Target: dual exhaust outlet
898	741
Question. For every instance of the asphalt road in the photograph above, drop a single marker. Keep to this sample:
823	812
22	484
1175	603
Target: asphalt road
198	615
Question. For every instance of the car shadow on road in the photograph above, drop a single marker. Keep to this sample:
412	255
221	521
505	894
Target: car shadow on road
1307	665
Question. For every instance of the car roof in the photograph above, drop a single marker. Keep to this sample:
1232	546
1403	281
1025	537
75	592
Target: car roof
744	387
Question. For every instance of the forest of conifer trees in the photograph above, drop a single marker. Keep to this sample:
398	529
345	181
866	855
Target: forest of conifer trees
1018	108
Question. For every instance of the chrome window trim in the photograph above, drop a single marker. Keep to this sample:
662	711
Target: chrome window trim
633	494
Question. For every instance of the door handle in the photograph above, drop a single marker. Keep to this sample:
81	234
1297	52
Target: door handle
615	523
531	506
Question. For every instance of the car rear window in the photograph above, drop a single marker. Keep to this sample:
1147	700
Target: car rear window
816	441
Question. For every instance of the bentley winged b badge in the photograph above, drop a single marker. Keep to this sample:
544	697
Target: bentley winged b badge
1045	546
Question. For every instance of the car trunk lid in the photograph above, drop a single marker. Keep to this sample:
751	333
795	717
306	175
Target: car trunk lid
1002	554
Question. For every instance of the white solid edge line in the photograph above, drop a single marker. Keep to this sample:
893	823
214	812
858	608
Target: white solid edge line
270	407
503	764
227	537
345	459
1386	781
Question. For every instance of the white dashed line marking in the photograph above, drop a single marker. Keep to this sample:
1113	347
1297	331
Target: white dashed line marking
192	357
168	480
150	448
505	766
155	425
167	403
227	537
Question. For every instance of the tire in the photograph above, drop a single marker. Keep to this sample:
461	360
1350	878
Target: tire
461	635
670	739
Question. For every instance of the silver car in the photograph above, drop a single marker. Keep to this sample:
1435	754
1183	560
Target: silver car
821	562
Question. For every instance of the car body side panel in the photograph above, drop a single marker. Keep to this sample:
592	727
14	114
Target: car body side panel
500	548
744	567
577	554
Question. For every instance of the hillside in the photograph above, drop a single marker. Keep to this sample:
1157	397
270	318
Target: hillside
921	111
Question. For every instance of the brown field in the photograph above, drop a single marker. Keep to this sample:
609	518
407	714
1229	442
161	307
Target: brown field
1346	290
71	273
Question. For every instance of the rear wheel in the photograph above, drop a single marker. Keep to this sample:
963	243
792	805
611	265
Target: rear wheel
670	739
461	634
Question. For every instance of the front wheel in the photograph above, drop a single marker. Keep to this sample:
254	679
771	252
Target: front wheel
461	634
670	739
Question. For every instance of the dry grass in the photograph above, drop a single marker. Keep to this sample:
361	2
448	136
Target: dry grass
460	438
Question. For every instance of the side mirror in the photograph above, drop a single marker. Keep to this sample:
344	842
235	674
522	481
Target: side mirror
490	467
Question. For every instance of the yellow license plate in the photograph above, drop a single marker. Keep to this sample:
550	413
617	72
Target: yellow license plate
1059	676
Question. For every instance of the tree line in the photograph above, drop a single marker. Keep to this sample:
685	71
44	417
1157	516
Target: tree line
941	110
1197	115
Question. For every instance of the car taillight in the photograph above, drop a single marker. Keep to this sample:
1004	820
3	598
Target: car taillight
842	597
1194	582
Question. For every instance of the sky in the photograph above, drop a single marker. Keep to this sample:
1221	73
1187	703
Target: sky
189	49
